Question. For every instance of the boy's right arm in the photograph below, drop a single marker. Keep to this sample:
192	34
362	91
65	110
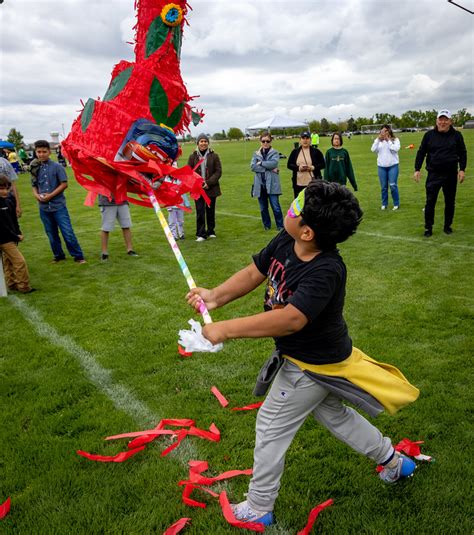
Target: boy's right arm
240	284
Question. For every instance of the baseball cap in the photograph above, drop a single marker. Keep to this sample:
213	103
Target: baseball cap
305	133
444	113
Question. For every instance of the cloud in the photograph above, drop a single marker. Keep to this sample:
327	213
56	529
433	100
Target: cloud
247	60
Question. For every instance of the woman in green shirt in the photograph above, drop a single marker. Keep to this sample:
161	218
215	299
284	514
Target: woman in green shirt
338	163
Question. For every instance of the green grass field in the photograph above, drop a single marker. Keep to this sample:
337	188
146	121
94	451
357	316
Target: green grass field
93	353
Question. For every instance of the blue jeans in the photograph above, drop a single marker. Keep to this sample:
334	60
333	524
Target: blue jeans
388	176
275	204
59	219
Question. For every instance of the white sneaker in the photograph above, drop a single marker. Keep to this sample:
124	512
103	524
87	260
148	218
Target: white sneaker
200	238
212	236
383	207
395	208
243	512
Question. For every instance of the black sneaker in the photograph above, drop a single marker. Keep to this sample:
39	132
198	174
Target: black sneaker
428	233
448	230
58	259
132	253
31	290
104	257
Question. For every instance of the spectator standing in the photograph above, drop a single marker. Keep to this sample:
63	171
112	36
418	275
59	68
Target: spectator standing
13	160
112	211
305	162
266	182
210	169
338	163
7	170
14	264
315	140
386	145
49	181
445	153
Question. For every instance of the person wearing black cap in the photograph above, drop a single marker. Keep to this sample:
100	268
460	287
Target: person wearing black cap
211	170
445	152
306	163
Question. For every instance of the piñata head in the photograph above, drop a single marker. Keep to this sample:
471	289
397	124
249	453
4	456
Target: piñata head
149	94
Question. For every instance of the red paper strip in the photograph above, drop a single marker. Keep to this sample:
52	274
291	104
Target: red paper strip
119	458
248	407
313	515
180	435
229	516
409	447
213	434
220	398
5	508
177	526
183	352
182	422
145	439
187	500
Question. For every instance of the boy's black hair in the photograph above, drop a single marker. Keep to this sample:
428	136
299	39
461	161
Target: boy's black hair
331	211
4	181
42	144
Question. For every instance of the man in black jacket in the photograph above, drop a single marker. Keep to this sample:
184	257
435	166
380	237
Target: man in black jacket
445	150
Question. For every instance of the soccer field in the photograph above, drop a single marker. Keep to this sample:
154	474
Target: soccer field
93	353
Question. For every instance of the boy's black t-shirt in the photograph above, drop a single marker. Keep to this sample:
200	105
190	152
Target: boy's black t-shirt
316	288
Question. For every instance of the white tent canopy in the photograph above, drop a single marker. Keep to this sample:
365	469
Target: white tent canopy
278	122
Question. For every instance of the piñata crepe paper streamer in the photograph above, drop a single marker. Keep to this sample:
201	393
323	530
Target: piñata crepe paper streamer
230	517
198	481
119	458
5	508
220	398
313	515
141	438
177	526
150	89
224	402
410	448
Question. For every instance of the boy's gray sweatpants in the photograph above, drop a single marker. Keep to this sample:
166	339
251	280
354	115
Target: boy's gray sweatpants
292	397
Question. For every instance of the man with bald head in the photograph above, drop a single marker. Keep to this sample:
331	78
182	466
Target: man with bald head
446	159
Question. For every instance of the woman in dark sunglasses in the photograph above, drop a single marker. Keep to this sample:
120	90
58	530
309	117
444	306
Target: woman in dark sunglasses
306	163
266	183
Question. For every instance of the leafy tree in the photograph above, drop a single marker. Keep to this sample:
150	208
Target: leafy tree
351	125
235	133
461	116
324	125
314	126
219	136
15	137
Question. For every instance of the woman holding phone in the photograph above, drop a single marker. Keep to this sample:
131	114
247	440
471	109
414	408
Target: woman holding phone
306	163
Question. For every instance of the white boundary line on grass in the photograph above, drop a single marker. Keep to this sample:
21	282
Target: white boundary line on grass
101	377
374	234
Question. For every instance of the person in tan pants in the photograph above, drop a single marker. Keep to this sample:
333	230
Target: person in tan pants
14	264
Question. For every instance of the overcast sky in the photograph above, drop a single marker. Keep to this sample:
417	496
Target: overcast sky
246	60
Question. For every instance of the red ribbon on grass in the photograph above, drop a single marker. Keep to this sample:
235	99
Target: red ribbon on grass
224	402
177	526
230	517
5	508
119	458
313	515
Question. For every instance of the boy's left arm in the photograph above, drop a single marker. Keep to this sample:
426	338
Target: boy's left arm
274	323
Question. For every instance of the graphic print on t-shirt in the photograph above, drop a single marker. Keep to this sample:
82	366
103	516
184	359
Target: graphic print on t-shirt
276	292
